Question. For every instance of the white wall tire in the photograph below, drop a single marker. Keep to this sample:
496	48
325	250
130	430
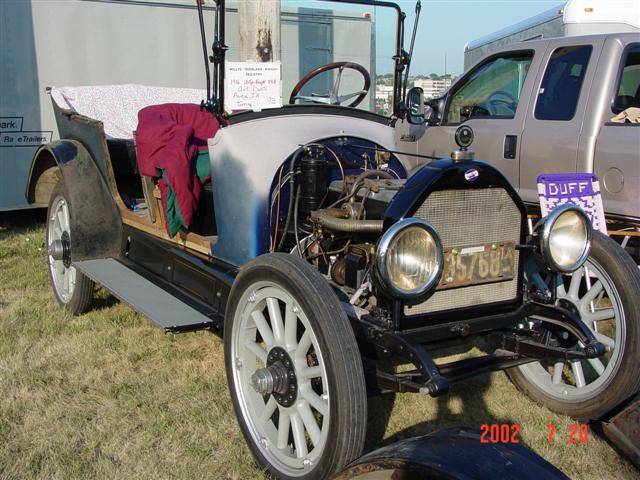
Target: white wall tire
283	318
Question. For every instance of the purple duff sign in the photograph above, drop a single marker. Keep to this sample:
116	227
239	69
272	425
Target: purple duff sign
580	189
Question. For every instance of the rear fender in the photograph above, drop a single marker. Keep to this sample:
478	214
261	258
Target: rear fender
96	225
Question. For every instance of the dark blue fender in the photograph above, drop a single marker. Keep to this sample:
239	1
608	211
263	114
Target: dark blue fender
96	225
452	454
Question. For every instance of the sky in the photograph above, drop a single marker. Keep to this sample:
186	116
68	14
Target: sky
445	27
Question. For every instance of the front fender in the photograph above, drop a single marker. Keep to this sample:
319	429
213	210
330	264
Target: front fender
96	225
452	454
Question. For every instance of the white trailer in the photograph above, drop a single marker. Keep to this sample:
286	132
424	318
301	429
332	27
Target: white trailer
155	43
575	17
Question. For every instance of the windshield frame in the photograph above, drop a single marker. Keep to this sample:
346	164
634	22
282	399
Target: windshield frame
215	85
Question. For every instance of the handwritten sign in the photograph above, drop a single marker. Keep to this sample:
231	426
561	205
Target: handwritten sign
253	85
581	189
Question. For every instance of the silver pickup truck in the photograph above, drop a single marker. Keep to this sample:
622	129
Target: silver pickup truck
546	106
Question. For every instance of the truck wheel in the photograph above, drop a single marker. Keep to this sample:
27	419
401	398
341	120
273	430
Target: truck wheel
294	370
72	289
605	292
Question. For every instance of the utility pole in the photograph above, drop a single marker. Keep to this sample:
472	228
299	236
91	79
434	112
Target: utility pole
259	29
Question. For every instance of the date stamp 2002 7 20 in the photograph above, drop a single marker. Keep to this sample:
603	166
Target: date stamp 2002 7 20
578	433
510	433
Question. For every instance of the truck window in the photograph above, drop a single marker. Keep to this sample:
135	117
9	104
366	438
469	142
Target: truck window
628	92
560	89
492	90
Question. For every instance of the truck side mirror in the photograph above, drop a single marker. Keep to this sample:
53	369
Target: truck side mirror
415	106
436	106
433	119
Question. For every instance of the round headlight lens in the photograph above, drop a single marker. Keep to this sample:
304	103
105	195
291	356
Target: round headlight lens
411	257
568	239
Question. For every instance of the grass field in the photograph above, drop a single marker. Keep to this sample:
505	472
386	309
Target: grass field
107	395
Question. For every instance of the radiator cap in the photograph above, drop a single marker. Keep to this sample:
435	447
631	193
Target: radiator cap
462	154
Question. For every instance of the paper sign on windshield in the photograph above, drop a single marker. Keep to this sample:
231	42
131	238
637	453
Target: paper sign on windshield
252	85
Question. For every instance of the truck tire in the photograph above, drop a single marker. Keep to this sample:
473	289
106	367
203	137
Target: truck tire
294	370
606	296
72	289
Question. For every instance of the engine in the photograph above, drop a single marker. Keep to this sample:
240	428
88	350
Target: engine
330	206
355	219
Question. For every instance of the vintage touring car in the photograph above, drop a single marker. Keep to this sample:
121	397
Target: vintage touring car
328	258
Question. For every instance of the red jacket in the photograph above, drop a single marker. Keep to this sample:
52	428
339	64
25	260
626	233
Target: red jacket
167	140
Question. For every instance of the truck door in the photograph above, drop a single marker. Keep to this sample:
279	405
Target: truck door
617	152
491	98
555	119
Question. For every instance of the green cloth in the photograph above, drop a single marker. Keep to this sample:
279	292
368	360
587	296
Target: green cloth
203	165
175	221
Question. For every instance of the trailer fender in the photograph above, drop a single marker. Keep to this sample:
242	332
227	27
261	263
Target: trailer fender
96	225
451	454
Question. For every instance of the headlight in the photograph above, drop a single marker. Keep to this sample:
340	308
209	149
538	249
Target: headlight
409	258
566	238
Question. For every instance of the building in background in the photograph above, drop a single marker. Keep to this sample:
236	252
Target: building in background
384	95
576	17
434	87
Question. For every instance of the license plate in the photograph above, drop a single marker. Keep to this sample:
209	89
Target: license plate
477	264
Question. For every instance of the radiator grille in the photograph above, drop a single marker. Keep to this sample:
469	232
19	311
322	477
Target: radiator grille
468	217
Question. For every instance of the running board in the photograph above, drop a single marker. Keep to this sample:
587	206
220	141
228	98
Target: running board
165	310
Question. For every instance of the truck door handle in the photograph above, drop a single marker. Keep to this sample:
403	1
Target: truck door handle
510	146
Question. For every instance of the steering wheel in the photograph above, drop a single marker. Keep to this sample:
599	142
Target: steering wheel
332	97
510	102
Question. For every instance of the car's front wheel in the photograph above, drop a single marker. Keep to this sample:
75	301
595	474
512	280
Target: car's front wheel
294	370
605	293
72	289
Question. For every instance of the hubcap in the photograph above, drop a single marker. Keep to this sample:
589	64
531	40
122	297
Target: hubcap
280	379
60	250
590	293
63	274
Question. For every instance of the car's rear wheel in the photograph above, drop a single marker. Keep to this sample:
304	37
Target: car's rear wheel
294	370
605	293
72	289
